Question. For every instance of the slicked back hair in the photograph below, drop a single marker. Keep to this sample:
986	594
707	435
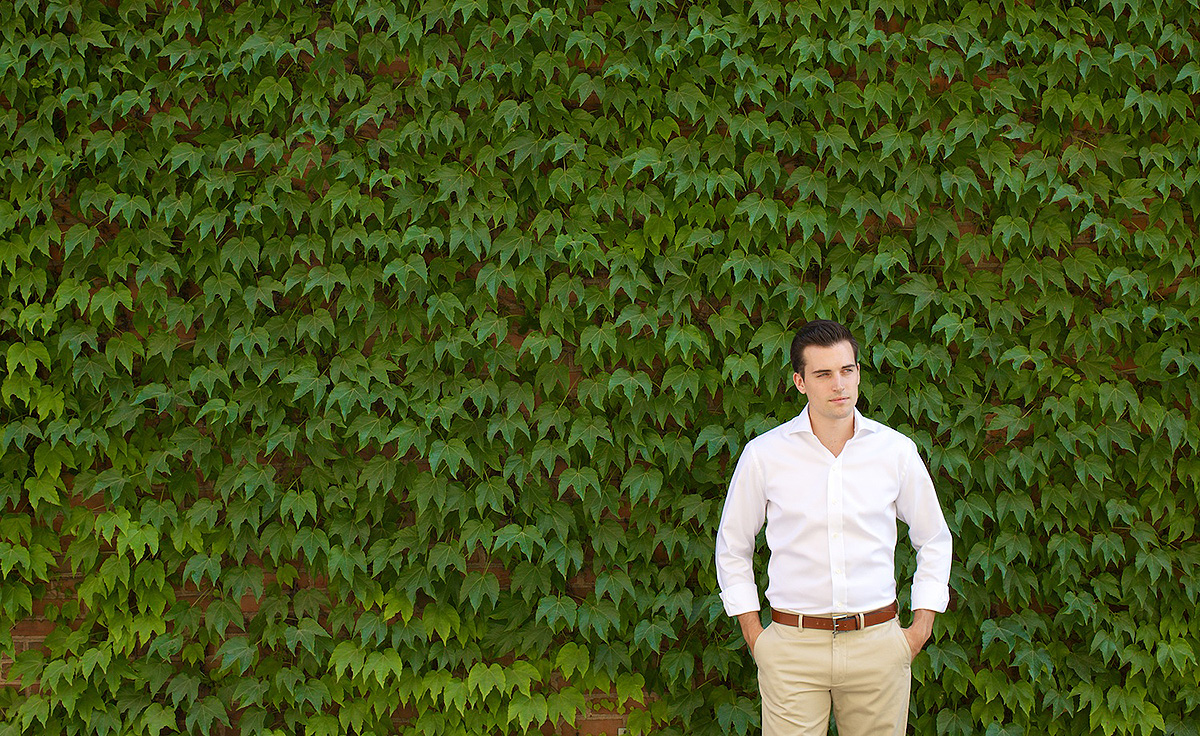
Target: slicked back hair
822	332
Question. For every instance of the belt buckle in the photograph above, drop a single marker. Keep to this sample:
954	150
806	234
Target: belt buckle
857	618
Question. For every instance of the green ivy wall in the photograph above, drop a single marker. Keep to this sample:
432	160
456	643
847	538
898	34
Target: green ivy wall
379	366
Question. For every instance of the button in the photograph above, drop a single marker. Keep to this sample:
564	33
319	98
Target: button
838	571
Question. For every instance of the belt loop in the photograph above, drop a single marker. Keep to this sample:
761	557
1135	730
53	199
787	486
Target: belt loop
862	621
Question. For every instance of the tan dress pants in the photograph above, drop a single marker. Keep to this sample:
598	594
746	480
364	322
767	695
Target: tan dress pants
863	676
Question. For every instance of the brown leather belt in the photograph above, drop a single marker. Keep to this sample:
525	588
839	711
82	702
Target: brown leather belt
843	623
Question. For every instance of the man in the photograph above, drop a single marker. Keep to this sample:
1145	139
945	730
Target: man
830	485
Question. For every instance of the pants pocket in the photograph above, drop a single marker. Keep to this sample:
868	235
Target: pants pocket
757	649
904	647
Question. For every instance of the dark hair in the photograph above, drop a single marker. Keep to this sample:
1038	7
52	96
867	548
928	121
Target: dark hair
822	332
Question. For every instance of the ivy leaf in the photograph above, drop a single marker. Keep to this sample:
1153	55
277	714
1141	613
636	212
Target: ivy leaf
201	566
727	179
369	427
648	158
642	481
298	504
304	634
774	342
526	538
741	716
651	632
204	713
923	289
832	141
493	493
860	202
630	384
478	586
892	140
347	656
527	709
27	356
237	653
582	480
811	78
572	658
556	610
485	678
756	207
631	687
271	90
535	344
736	366
156	717
452	453
1178	652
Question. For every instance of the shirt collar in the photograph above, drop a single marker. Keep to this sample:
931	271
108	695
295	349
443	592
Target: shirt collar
802	423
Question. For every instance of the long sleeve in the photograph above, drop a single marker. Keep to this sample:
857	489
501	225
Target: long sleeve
917	506
743	516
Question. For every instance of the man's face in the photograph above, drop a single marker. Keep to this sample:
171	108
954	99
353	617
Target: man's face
830	380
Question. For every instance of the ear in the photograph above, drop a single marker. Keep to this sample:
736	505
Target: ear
798	380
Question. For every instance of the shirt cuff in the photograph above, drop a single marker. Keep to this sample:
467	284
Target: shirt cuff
741	598
931	596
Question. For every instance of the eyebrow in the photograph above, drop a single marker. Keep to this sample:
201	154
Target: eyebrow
828	370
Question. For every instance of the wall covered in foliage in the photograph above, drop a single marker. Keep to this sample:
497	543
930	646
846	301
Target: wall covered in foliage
378	366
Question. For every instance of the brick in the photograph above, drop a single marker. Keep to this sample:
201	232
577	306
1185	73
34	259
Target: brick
596	724
27	634
32	631
249	604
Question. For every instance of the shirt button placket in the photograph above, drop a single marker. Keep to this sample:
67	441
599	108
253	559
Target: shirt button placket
837	542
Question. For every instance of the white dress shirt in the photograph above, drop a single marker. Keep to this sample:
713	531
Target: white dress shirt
831	522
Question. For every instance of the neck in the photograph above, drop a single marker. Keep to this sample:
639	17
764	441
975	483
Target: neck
832	432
